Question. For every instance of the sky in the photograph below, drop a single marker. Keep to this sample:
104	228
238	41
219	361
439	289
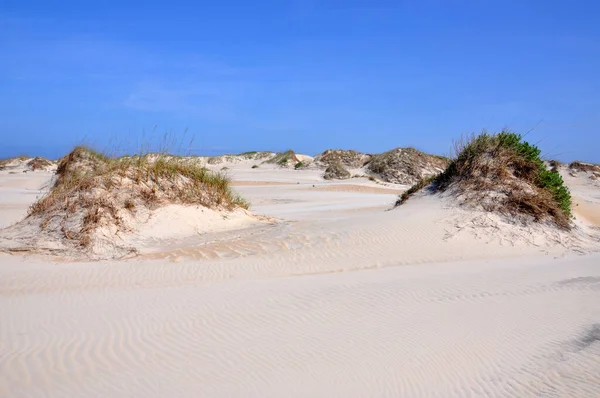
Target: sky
232	76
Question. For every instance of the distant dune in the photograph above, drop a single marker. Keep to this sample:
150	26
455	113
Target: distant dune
25	164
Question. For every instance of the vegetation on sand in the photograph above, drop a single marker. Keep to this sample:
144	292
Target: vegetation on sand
98	187
284	158
502	172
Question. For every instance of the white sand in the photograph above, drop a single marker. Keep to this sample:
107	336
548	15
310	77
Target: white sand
17	191
340	298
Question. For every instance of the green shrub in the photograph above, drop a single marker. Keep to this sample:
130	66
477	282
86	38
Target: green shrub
549	180
298	165
553	182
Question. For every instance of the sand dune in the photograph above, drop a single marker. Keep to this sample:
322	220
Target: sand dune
103	207
25	164
336	297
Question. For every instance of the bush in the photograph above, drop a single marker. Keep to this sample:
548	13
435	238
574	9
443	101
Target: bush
553	182
549	180
298	165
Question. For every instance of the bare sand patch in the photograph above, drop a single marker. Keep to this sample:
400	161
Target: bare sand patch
357	189
588	210
258	183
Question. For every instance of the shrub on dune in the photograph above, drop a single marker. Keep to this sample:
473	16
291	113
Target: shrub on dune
503	173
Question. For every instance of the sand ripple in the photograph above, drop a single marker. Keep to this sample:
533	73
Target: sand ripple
457	331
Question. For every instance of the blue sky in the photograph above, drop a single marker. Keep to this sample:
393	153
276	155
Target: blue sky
307	75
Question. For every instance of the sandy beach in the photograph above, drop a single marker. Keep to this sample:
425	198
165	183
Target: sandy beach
337	295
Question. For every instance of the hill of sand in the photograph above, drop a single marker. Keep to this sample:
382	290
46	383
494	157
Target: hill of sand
503	174
100	207
26	164
405	165
246	156
341	297
589	170
288	159
284	159
348	159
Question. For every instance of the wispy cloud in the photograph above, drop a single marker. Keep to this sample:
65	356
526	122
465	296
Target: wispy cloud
200	100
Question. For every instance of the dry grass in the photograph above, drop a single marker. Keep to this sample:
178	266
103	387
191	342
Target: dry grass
92	188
